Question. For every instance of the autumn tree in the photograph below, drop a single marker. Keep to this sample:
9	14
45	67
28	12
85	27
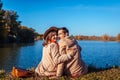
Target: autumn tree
1	4
105	37
118	37
25	34
3	29
11	29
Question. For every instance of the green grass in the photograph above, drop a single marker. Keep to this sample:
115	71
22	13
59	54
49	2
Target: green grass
109	74
93	74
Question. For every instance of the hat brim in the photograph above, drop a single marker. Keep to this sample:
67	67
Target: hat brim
51	29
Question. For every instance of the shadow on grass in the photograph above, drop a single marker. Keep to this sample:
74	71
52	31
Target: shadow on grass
92	68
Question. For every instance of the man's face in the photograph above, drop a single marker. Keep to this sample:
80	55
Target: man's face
61	34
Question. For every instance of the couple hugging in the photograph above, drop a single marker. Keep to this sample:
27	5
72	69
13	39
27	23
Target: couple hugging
62	58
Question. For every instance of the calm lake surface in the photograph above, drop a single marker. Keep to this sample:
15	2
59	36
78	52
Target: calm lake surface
97	53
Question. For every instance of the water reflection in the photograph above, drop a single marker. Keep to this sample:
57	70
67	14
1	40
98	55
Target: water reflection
9	56
17	55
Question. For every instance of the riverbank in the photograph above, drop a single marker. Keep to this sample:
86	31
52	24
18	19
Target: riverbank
93	74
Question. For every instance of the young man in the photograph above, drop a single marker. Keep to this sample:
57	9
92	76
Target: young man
67	44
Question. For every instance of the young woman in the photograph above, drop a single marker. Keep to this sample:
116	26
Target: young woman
50	57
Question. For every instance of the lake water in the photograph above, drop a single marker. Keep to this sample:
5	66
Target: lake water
97	53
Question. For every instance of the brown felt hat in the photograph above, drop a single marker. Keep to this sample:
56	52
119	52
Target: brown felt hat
53	28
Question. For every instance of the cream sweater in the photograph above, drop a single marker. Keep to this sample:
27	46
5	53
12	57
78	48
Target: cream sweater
50	59
75	66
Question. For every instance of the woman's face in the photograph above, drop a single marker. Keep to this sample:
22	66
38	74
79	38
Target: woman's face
54	37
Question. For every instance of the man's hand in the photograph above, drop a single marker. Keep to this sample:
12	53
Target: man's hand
71	51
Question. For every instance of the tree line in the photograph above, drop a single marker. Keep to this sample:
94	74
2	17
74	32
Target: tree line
11	30
104	37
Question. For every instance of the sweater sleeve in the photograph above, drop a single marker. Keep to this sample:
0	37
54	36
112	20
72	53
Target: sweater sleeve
57	58
60	69
66	49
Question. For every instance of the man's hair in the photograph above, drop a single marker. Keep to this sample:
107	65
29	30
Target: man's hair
64	29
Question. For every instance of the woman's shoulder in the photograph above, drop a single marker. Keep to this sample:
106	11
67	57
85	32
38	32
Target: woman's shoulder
53	44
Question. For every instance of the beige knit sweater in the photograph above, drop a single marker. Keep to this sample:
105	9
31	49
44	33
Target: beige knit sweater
50	59
75	66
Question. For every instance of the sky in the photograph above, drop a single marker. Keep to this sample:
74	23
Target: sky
81	17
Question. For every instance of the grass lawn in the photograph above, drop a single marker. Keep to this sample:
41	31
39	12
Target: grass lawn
93	74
